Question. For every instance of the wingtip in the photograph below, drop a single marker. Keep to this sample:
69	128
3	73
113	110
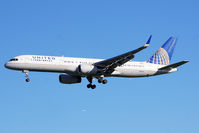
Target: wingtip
149	40
146	45
186	61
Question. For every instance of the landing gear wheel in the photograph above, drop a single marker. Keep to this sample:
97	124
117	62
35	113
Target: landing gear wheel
104	81
27	80
100	80
89	85
93	86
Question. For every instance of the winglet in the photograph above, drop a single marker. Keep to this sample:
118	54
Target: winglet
148	42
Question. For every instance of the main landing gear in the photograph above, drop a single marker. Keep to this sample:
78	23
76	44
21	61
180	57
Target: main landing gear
103	81
90	85
26	75
93	86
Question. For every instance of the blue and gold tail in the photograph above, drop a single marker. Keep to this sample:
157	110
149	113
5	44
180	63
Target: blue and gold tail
164	54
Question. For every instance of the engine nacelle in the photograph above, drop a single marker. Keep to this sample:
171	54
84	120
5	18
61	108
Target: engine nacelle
87	69
69	79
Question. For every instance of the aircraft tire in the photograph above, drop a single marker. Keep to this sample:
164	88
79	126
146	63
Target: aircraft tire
27	80
104	81
89	86
93	86
100	80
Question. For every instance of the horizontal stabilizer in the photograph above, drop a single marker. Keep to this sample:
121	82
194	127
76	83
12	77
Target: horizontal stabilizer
173	65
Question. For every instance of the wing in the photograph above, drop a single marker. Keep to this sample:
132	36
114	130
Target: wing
107	66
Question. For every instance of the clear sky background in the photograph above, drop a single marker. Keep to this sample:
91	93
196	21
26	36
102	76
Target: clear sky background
99	29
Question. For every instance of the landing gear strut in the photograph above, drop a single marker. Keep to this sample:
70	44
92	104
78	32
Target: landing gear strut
26	75
90	85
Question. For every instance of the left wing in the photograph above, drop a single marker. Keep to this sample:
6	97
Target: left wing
107	66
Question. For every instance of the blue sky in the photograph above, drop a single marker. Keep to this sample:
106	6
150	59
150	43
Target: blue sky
99	29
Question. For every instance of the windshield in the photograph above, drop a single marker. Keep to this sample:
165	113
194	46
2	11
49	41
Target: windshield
14	59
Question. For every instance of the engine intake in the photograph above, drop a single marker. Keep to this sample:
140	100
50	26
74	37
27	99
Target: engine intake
69	79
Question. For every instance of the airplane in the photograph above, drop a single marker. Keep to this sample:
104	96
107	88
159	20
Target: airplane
74	69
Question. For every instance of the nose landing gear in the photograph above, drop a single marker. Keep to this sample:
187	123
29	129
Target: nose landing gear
26	75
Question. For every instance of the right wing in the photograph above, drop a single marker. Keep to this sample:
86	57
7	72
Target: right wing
107	66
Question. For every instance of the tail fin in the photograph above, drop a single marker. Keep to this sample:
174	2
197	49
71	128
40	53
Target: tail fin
164	54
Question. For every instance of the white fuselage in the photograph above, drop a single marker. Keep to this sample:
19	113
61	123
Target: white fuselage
70	66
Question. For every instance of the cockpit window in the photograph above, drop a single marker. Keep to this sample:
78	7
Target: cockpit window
14	59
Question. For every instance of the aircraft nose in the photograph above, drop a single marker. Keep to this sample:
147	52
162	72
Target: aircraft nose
5	65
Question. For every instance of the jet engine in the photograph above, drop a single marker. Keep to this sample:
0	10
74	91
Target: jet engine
87	69
69	79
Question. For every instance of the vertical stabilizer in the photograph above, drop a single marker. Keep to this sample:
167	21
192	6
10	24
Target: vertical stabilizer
164	54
